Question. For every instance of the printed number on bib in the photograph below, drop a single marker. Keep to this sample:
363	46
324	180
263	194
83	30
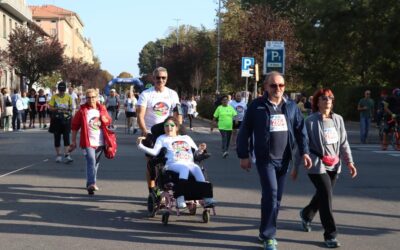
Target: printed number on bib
331	135
277	123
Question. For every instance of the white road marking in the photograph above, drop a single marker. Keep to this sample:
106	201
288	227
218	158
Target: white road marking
20	169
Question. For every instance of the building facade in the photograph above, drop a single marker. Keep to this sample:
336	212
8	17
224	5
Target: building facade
67	27
13	13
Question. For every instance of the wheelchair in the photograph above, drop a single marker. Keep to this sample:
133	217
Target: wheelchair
170	188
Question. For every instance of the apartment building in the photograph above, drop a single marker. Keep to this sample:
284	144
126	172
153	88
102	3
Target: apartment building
67	27
12	14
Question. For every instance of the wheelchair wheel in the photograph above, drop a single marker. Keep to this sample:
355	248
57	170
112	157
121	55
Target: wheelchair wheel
206	216
151	205
165	218
192	208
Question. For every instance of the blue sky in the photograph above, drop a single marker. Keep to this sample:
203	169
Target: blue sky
119	29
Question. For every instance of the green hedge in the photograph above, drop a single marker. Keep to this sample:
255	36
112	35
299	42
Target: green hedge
205	107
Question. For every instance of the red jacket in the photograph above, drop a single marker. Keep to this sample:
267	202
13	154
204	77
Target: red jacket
80	122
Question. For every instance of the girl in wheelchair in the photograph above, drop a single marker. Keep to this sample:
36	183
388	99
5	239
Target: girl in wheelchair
180	158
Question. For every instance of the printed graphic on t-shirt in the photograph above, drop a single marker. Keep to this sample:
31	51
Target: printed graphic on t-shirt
94	123
161	109
181	151
331	135
42	99
277	123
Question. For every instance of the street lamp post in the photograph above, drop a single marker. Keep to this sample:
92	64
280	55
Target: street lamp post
218	43
177	30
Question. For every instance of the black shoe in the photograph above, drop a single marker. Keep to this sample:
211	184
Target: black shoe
304	223
332	243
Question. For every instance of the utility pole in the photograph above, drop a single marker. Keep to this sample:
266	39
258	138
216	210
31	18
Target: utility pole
177	30
218	43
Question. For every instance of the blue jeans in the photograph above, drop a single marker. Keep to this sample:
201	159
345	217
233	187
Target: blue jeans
272	178
364	128
16	117
92	164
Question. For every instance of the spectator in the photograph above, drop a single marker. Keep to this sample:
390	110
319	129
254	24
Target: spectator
32	108
25	103
366	109
7	111
18	109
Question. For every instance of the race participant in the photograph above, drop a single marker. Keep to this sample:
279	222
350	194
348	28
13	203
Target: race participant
130	111
392	109
61	108
154	105
180	158
112	104
240	106
192	110
75	100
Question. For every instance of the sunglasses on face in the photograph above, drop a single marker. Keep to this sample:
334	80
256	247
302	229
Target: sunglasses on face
169	125
326	98
274	86
161	77
90	97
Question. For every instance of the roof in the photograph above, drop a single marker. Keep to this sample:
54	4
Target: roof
51	11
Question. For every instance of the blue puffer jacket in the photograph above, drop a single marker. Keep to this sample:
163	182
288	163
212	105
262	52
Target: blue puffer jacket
254	131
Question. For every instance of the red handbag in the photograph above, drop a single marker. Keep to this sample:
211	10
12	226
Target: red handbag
110	143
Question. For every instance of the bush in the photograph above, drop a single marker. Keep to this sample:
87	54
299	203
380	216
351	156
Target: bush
206	107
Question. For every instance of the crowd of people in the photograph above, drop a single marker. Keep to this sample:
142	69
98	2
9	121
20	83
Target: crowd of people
270	132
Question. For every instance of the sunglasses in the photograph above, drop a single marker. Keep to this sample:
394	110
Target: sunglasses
326	98
169	125
161	77
274	86
90	97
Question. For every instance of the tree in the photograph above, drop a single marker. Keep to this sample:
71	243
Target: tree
32	54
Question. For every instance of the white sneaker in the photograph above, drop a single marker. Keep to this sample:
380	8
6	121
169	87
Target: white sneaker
209	202
180	202
68	159
58	158
10	129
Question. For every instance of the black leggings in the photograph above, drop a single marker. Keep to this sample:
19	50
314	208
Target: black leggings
190	120
322	202
57	138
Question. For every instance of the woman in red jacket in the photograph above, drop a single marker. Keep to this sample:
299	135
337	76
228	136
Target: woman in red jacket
90	119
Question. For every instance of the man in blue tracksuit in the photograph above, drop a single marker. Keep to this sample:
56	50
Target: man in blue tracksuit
272	129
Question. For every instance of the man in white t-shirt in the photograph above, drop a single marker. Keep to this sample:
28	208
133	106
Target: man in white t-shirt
240	106
154	106
74	97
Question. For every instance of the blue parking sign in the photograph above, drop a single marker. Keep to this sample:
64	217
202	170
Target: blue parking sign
247	62
274	57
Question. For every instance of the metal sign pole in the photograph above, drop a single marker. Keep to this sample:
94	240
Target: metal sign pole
247	82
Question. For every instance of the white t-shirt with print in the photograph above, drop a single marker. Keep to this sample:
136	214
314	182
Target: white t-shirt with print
191	107
240	108
130	104
159	105
94	131
179	148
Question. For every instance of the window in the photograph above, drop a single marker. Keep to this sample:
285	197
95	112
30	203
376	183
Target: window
10	22
53	32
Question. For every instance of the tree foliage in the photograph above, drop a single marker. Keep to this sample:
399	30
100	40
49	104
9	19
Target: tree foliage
32	54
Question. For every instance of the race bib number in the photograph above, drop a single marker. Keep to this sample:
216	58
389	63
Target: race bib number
331	135
277	123
42	99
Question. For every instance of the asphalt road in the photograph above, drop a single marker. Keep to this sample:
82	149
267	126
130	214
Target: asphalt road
43	204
